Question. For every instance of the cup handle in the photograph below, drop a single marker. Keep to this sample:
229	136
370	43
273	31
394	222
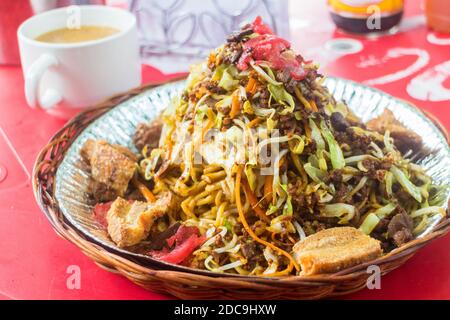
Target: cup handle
33	76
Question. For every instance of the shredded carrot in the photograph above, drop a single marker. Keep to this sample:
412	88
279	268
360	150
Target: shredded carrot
268	181
247	228
254	122
250	85
314	106
212	58
254	88
235	106
211	115
254	202
201	92
206	128
148	195
307	130
302	99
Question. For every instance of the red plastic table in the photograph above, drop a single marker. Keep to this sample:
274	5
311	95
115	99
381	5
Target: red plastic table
34	260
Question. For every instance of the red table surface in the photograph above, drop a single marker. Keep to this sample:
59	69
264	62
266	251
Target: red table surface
34	260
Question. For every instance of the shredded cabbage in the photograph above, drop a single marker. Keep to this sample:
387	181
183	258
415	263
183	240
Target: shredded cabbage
280	95
316	135
263	112
388	180
227	81
217	75
422	225
197	73
356	159
272	209
385	211
247	107
337	157
287	209
276	184
358	187
388	141
344	211
377	152
273	140
272	261
406	183
225	102
369	223
271	124
264	75
299	146
251	176
428	210
301	232
315	174
281	224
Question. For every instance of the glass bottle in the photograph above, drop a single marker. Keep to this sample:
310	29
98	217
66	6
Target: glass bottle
366	16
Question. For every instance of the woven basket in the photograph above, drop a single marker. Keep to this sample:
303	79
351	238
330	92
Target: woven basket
187	285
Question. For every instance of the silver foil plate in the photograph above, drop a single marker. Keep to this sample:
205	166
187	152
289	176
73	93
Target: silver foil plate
119	124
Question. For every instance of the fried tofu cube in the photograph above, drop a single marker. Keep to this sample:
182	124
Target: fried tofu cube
404	139
130	222
112	166
334	249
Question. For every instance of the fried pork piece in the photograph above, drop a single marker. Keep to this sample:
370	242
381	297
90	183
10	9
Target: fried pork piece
130	222
112	168
148	135
333	249
404	139
101	192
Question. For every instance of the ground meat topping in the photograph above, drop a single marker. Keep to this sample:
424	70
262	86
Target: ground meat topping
253	252
400	228
238	36
338	121
147	135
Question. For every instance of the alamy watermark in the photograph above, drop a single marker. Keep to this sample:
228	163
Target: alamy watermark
73	281
374	280
73	17
374	20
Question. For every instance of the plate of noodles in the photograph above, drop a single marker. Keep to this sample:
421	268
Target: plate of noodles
256	165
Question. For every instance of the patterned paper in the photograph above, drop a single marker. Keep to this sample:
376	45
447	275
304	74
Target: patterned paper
176	33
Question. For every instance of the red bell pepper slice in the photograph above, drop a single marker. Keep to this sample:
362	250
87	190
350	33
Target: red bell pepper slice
269	47
184	242
100	211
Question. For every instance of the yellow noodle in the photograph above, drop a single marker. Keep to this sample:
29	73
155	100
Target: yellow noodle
207	200
218	198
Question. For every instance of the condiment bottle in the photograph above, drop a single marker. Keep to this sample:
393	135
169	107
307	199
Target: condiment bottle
366	16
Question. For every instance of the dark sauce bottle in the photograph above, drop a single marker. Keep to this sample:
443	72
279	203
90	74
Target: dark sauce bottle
366	16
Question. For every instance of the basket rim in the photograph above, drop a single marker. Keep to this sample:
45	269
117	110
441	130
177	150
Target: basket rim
118	261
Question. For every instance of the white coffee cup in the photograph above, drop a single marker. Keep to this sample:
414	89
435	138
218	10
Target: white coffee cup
71	76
